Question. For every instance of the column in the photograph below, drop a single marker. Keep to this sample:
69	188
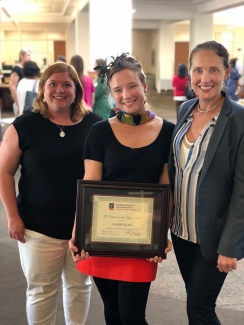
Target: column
82	42
166	57
110	28
201	29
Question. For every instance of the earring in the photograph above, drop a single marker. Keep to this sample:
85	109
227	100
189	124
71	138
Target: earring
44	100
145	99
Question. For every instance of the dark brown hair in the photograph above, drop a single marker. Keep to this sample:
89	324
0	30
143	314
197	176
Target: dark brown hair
214	46
77	62
122	62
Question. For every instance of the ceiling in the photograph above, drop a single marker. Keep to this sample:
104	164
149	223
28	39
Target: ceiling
64	11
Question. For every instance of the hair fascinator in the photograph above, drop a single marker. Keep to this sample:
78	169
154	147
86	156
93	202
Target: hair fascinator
116	61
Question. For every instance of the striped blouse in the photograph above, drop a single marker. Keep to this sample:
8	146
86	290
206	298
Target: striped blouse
188	160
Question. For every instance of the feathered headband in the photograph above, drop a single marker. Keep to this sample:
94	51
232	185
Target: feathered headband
104	70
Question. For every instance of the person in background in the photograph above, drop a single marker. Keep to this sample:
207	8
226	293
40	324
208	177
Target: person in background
31	74
48	145
137	151
207	179
239	66
101	105
61	58
233	81
179	83
44	65
87	83
16	76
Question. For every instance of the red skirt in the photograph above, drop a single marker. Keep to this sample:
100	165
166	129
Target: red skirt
119	268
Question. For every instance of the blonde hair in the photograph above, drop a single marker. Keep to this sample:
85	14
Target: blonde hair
23	52
77	109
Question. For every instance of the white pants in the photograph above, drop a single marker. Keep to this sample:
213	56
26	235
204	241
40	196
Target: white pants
45	261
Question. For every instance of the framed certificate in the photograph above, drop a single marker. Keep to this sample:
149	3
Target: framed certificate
122	219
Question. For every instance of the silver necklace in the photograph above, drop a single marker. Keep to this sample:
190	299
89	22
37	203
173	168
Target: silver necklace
208	110
61	134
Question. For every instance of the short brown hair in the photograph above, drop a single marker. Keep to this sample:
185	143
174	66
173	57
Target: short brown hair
78	109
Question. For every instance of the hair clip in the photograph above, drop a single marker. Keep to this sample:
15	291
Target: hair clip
104	70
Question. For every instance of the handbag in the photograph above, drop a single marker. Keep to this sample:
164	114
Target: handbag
30	96
189	92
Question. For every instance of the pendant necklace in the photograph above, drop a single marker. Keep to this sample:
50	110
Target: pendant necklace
61	134
210	109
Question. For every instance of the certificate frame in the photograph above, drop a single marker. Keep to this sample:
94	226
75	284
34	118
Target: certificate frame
122	219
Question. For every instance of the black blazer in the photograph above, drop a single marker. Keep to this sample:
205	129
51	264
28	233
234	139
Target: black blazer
220	193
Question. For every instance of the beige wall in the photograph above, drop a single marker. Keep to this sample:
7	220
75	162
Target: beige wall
38	38
143	43
232	39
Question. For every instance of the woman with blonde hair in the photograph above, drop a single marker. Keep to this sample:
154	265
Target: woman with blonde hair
48	145
16	75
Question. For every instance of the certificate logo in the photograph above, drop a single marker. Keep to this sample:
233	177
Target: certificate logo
111	206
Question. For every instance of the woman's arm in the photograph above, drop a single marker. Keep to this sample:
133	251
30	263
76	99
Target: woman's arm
231	243
164	179
92	99
14	79
9	161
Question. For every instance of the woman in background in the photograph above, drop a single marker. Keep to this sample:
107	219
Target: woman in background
101	105
179	83
16	76
233	81
28	83
89	90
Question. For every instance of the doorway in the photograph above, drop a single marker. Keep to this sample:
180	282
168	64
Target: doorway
59	49
181	54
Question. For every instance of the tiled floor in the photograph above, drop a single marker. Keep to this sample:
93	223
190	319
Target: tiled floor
168	288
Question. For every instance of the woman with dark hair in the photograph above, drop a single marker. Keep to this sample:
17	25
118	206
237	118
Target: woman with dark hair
61	58
30	82
101	105
48	144
179	83
16	76
137	151
207	179
89	90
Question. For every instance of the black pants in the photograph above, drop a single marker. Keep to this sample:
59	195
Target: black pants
124	302
202	279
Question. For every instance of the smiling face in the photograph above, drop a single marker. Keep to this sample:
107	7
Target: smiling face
207	74
128	91
59	92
